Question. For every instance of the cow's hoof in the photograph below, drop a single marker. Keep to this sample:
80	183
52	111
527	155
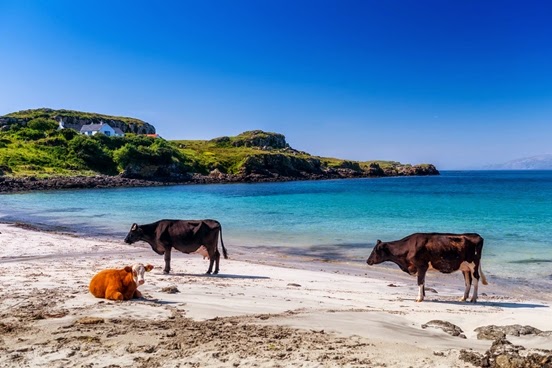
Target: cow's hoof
419	300
215	273
473	301
208	272
462	299
165	272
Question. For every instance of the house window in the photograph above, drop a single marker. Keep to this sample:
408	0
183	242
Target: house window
108	133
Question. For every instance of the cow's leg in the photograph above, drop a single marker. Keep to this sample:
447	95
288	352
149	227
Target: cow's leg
468	282
421	282
167	260
113	293
211	263
475	274
217	261
475	287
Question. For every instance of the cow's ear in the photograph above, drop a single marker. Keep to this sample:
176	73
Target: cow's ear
378	242
149	268
134	227
128	269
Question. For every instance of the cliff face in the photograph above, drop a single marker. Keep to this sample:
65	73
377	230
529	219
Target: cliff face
274	165
76	123
258	138
76	119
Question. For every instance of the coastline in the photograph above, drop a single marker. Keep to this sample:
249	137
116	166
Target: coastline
31	183
264	309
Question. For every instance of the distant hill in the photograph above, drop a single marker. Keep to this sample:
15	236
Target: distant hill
540	162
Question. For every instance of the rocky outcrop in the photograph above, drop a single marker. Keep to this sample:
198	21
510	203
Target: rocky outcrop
504	354
409	170
75	120
280	165
6	122
261	139
77	123
446	326
493	332
12	185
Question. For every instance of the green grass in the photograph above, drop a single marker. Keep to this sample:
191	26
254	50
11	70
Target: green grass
211	155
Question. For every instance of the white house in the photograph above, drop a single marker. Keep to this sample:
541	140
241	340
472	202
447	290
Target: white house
92	129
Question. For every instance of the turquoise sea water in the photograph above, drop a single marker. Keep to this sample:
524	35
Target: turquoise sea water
336	219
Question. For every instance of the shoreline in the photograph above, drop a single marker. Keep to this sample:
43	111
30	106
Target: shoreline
302	258
277	311
27	184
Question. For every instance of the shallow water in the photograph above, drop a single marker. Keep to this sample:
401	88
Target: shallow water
335	219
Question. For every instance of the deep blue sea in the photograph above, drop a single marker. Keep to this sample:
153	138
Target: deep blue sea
336	219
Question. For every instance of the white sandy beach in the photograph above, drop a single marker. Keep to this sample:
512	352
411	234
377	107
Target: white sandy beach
252	314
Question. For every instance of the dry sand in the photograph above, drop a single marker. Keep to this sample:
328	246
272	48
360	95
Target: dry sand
309	314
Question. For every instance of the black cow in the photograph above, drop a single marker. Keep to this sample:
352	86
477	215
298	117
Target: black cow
187	236
447	253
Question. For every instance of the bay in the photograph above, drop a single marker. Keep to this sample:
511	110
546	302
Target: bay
334	219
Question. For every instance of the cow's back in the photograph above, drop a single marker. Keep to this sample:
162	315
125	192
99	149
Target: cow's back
446	251
188	230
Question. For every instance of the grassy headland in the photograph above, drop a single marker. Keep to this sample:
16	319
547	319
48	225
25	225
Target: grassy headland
31	144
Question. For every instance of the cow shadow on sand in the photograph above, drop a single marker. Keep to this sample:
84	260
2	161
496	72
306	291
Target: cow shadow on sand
482	303
157	301
220	276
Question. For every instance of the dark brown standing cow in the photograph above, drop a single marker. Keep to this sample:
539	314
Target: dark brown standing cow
187	236
447	253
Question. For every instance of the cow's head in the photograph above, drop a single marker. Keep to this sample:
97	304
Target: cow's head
379	254
134	235
138	271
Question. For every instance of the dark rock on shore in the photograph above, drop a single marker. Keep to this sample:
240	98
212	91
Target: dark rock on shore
504	354
11	185
447	327
493	332
259	169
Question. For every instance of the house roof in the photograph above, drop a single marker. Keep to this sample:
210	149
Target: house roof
97	127
91	128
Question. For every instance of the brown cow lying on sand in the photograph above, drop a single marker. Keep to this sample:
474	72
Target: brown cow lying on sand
120	284
447	253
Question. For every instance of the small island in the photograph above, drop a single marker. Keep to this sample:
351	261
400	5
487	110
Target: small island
44	149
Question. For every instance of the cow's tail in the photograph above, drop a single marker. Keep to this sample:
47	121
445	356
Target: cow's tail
480	251
483	278
222	243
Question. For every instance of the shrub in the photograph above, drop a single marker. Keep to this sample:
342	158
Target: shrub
42	124
68	133
27	134
52	141
90	152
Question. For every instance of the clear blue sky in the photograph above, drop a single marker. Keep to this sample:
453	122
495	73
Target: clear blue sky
456	83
